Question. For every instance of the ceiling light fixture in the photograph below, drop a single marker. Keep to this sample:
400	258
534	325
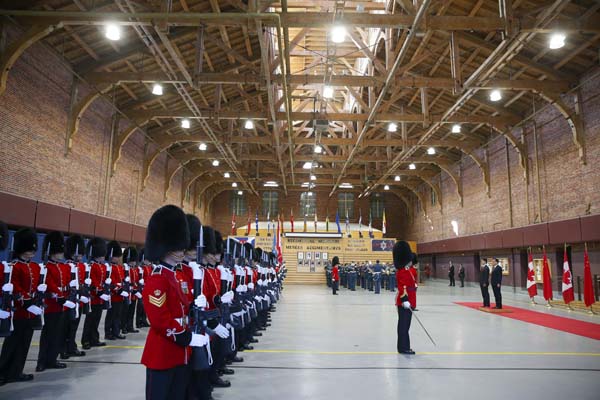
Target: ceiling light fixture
307	165
392	127
215	163
327	92
456	128
397	178
157	89
412	166
271	184
234	184
338	34
112	32
557	40
226	175
248	124
185	123
346	186
386	187
313	177
431	151
240	193
318	149
202	147
495	95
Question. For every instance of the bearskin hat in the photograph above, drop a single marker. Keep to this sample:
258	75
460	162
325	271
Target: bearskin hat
141	255
335	260
415	259
3	236
96	247
402	254
167	231
74	246
24	240
130	254
194	226
113	249
208	237
218	242
258	254
249	251
54	243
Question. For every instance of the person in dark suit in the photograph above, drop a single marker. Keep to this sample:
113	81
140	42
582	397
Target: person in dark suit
484	282
451	275
497	282
461	275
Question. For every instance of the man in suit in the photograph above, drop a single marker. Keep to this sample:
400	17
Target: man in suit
497	283
451	275
461	275
484	281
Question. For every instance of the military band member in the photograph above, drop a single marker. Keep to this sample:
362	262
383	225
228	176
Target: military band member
406	298
144	270
335	274
118	294
167	350
484	282
59	281
497	283
99	291
130	256
24	285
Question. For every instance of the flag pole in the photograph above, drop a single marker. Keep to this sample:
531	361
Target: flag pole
548	305
590	311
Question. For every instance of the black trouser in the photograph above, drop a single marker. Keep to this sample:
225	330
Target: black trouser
112	322
334	286
127	314
486	295
90	334
452	281
200	387
217	348
497	296
15	349
140	315
462	280
404	318
168	384
51	338
70	330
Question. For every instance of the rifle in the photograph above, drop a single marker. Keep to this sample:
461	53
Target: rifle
201	356
7	303
85	290
106	287
127	285
74	293
38	300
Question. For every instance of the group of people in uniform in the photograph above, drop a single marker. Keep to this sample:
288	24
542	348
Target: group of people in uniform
202	297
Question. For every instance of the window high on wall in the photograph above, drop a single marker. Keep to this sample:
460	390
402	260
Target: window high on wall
270	204
377	205
308	204
346	204
238	204
433	197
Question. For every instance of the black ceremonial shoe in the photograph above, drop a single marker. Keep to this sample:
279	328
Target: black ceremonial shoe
77	353
121	337
220	383
131	330
86	346
227	371
57	365
99	344
20	378
110	337
409	351
64	356
40	368
237	359
257	334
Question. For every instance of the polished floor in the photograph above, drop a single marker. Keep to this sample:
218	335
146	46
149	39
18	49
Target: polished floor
343	347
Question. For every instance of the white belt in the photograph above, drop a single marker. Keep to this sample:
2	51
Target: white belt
182	321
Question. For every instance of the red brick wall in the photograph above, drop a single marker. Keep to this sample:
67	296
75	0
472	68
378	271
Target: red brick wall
33	115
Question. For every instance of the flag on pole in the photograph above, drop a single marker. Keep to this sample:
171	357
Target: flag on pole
268	223
278	247
531	286
316	220
547	279
370	224
337	221
588	286
292	218
233	223
304	230
384	224
360	222
281	219
567	280
327	223
256	221
274	245
347	223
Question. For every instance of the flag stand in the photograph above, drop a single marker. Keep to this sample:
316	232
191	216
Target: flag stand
548	305
532	300
591	312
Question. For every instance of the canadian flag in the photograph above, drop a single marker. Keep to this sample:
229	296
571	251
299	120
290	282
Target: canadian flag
531	286
567	281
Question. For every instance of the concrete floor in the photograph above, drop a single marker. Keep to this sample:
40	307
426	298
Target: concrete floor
343	347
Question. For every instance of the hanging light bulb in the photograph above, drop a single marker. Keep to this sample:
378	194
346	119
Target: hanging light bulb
215	163
202	146
386	187
234	184
313	177
240	193
318	149
397	178
112	32
557	40
456	128
157	89
392	127
226	175
185	123
412	166
249	124
327	92
495	95
431	151
338	34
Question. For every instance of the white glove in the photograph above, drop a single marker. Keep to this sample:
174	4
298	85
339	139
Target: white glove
35	310
239	289
88	281
70	304
84	299
221	331
108	281
201	301
406	305
124	294
105	297
260	282
228	326
4	314
127	279
227	298
73	283
251	286
138	295
42	288
7	287
199	340
257	298
141	281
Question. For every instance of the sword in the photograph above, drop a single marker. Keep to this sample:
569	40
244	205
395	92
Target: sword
420	323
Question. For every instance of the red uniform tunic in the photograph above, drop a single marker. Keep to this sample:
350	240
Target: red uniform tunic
134	275
413	272
167	308
58	277
406	285
117	276
185	278
25	280
211	286
335	274
98	275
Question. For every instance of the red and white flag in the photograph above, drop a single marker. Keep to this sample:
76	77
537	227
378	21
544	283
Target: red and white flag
567	281
547	279
531	285
588	286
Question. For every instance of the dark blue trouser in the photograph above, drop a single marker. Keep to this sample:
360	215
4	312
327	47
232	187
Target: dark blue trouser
377	282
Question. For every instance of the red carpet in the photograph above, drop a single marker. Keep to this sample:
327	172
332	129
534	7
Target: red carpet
576	327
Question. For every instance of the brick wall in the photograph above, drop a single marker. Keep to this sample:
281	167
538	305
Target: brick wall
33	115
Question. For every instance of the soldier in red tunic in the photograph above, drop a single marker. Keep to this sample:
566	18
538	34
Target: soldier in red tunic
25	286
96	254
167	350
144	270
406	297
118	294
335	274
130	256
58	279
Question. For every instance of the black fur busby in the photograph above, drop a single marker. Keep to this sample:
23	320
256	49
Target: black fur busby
54	243
208	237
249	251
402	254
74	245
3	236
258	254
113	249
25	240
96	247
218	242
194	226
167	231
335	260
415	259
141	255
130	254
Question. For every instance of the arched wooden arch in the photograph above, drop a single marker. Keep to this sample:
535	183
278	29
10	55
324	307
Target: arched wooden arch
79	109
446	168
